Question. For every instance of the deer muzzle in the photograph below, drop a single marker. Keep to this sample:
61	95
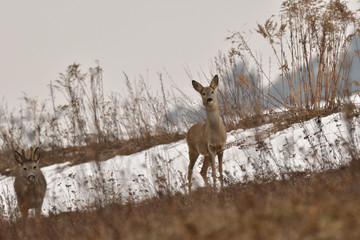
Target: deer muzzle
31	177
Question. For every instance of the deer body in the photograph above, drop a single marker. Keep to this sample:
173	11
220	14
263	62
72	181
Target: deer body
207	138
30	183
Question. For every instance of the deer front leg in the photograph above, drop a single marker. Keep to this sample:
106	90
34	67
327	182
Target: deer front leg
212	163
37	212
220	157
24	212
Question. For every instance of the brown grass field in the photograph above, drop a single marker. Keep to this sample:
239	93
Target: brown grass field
93	126
319	206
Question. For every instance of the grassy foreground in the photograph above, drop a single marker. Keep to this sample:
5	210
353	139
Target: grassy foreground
322	206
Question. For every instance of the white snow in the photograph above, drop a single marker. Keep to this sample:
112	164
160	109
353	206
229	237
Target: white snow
309	146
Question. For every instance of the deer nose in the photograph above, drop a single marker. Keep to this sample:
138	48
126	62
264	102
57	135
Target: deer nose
209	100
31	178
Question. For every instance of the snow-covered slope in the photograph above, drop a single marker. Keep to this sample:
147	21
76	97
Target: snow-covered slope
313	145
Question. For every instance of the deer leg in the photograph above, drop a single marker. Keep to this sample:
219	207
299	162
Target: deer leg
37	212
204	169
24	212
212	162
220	157
193	155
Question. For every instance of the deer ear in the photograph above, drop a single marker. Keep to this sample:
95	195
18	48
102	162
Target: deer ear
36	154
18	158
197	86
214	82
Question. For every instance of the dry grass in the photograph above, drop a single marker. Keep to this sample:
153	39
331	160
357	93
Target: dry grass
322	206
93	126
311	42
103	151
92	152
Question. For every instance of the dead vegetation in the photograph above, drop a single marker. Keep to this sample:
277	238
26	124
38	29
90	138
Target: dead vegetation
319	206
89	125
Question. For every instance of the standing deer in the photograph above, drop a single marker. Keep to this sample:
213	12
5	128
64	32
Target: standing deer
30	183
207	138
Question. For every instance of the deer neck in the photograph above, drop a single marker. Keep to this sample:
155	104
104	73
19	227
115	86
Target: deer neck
213	119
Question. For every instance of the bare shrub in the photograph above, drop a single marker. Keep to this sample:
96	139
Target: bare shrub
311	45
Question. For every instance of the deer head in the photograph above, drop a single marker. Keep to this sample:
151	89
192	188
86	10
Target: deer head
29	162
208	94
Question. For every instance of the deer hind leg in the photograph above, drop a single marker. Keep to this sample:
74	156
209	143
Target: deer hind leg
204	169
193	155
220	157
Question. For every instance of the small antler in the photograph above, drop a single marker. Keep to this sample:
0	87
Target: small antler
33	154
22	151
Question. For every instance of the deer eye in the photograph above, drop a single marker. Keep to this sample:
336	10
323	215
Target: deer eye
212	91
203	94
25	168
34	167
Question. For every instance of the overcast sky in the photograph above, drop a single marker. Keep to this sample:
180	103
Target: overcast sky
40	38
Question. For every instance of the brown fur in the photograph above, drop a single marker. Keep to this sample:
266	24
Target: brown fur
207	138
30	183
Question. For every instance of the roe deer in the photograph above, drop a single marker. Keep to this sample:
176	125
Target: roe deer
30	183
207	138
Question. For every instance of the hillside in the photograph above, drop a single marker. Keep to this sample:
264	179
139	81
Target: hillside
255	155
313	196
